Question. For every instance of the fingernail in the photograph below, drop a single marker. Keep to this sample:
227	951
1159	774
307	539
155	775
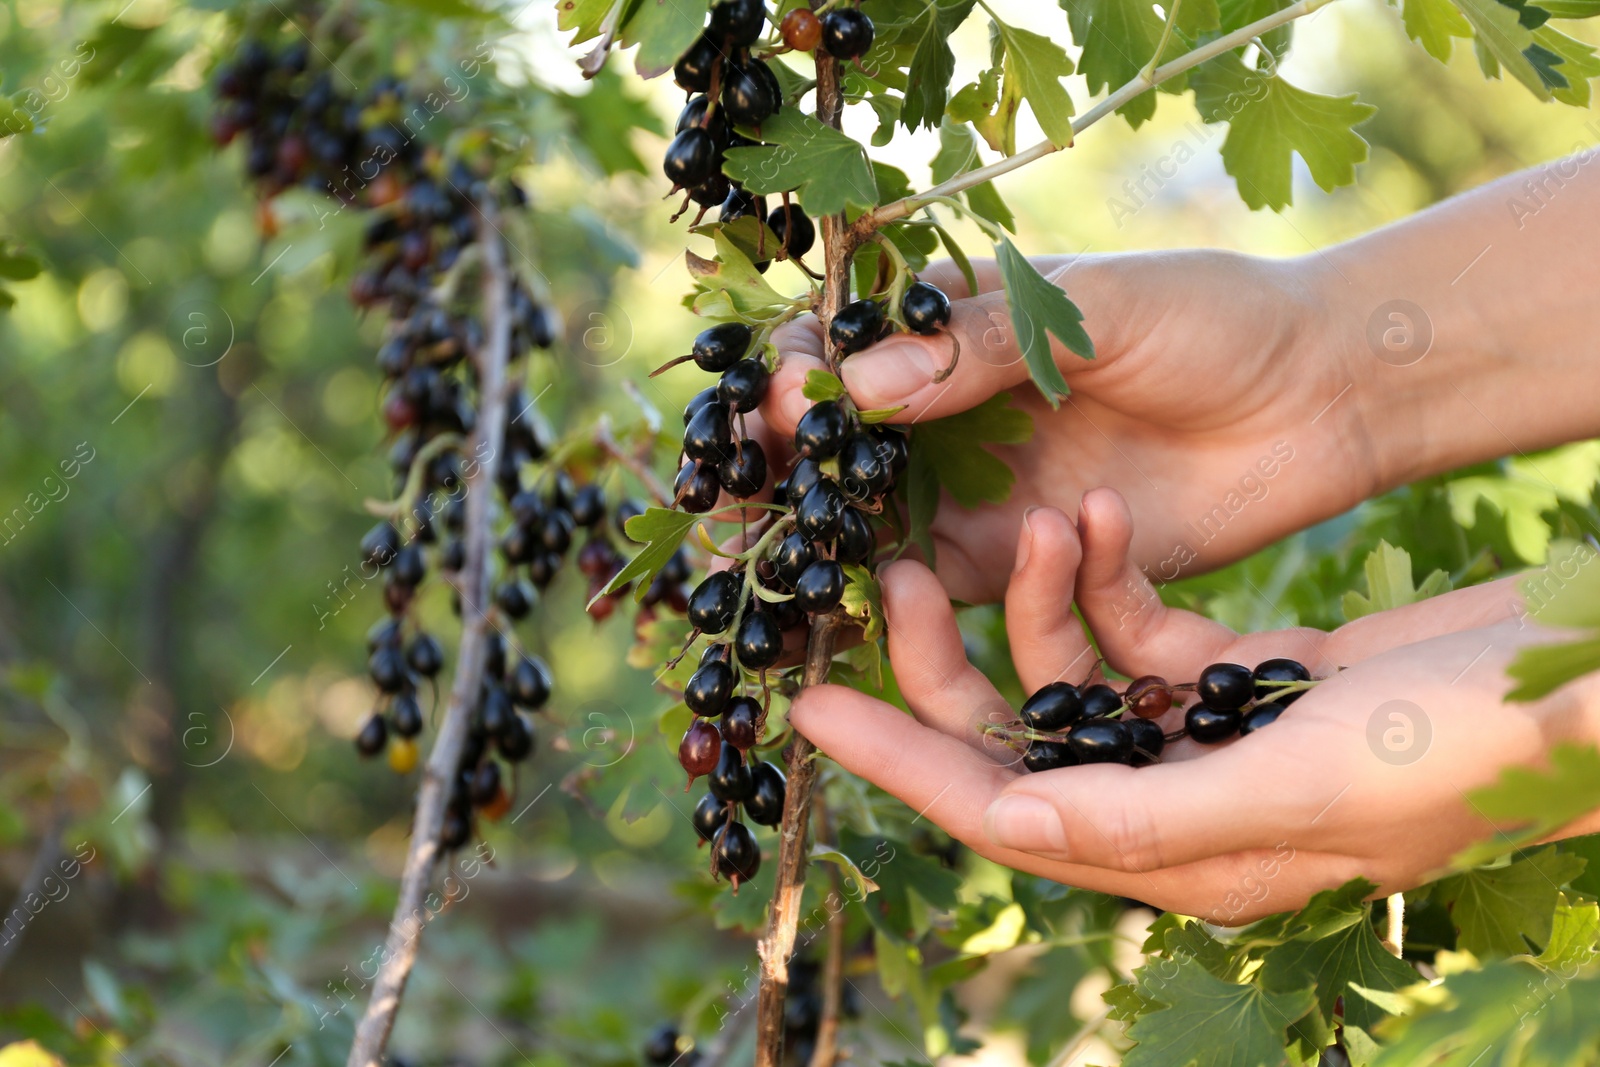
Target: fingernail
1025	541
795	405
888	374
1026	824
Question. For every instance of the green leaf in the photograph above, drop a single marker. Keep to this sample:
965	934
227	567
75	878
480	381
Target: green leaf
828	169
1502	911
952	449
1536	800
863	600
861	883
730	285
1325	914
932	63
16	263
661	531
1501	40
1571	9
1040	308
1565	592
1272	121
1577	62
1389	583
586	16
1332	963
1237	14
1211	1023
922	498
1034	67
1542	669
1433	24
958	154
821	385
663	30
1118	38
907	883
604	120
876	415
1574	936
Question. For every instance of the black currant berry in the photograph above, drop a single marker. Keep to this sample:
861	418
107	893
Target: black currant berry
791	558
691	158
456	831
760	642
741	203
1226	686
730	780
1101	741
407	714
711	192
747	94
741	723
864	470
846	33
589	506
1209	725
1100	701
857	325
1048	755
380	545
855	542
410	566
820	587
529	684
453	556
692	72
709	688
765	806
514	597
794	229
1147	736
697	486
719	347
734	853
710	815
701	749
1148	697
696	402
542	568
373	736
925	308
485	785
694	114
555	532
494	656
1259	716
743	471
820	516
1055	707
387	667
1280	670
517	740
385	633
495	711
708	436
715	602
744	385
739	22
821	430
806	473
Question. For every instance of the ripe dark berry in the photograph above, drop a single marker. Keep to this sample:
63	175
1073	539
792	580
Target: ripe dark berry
864	470
495	711
1280	670
1100	701
1259	716
820	516
739	22
407	714
709	816
711	192
741	203
820	431
925	308
714	602
1148	697
694	114
857	325
744	385
791	558
795	231
760	642
709	688
529	684
1147	735
1209	725
739	724
485	784
719	347
820	588
388	669
410	566
555	532
514	597
380	545
384	633
697	486
801	29
765	806
731	781
692	72
1055	707
456	831
691	158
846	33
1048	755
589	506
1101	741
454	555
708	436
517	740
743	471
700	749
806	473
747	94
494	656
542	568
734	853
1226	686
856	542
373	736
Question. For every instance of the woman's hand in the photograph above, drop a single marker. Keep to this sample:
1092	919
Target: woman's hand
1364	775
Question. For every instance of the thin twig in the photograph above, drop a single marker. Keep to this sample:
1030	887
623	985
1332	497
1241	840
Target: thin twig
608	444
1144	82
405	930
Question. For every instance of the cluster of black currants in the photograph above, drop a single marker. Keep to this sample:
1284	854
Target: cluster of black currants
731	86
1099	725
802	1009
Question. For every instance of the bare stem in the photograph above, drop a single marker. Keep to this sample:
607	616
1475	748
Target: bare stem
410	914
641	470
1146	80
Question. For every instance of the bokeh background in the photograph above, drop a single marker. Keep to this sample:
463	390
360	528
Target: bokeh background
181	656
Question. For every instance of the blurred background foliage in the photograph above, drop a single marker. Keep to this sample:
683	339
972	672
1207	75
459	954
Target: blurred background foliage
180	654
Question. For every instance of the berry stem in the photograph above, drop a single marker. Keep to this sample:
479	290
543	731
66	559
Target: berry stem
472	582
